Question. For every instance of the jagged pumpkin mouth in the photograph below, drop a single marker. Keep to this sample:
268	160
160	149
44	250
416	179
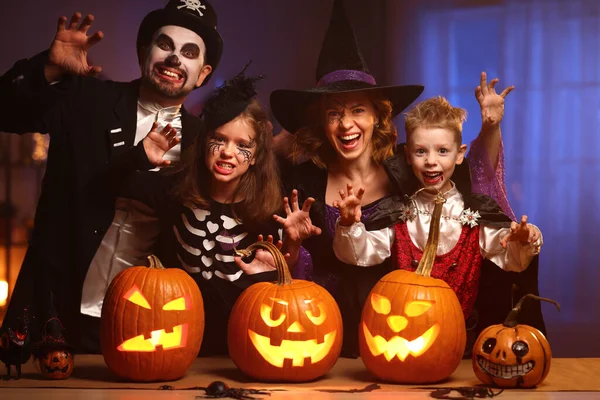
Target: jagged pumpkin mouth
296	350
51	370
167	340
504	371
398	346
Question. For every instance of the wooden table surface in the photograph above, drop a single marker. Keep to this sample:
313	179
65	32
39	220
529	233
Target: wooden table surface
90	372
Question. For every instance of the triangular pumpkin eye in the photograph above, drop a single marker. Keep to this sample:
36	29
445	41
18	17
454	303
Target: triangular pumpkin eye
135	296
380	304
417	307
182	303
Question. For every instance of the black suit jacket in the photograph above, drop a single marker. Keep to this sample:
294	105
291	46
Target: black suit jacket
92	125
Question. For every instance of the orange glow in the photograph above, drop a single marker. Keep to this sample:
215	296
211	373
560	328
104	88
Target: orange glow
397	323
3	292
317	320
400	347
417	307
168	341
265	314
297	351
135	296
380	304
180	304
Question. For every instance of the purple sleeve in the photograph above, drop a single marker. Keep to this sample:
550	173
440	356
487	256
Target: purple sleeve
303	268
486	180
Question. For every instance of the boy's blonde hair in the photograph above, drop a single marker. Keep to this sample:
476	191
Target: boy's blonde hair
436	112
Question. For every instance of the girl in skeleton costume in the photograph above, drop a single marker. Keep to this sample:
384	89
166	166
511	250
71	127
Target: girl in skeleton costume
221	198
472	228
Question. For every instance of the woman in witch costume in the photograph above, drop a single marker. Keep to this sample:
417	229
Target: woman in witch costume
344	126
222	197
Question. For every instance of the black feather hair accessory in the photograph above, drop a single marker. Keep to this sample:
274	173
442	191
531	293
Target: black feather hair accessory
230	99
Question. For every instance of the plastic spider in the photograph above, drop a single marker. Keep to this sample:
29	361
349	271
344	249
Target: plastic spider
218	389
467	392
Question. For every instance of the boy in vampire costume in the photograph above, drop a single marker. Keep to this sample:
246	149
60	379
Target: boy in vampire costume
95	125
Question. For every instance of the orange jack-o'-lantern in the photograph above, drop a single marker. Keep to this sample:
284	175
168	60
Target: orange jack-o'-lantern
152	323
53	356
290	330
511	355
56	364
412	327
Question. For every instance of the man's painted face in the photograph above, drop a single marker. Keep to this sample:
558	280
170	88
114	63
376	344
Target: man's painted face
174	63
433	154
230	151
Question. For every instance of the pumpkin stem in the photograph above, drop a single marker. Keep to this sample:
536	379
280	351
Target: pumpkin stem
511	319
284	277
426	263
154	262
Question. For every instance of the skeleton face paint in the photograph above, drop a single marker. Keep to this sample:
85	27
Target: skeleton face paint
174	63
230	151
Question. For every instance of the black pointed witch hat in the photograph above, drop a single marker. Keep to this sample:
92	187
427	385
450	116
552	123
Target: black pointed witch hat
341	68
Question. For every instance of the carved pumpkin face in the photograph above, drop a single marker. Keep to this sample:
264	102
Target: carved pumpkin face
412	329
285	333
152	323
56	363
511	357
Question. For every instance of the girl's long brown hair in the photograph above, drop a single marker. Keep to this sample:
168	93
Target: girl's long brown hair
260	186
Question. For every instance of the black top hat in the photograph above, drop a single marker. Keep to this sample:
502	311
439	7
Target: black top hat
196	15
230	99
341	68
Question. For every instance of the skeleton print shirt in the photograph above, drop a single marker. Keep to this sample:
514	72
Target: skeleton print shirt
202	241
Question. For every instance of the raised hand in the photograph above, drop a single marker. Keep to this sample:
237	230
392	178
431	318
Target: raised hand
156	144
263	260
297	224
490	102
349	206
522	232
69	49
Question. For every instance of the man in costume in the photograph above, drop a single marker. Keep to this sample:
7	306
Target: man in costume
96	125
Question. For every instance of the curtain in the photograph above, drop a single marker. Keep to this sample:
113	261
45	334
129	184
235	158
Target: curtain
550	51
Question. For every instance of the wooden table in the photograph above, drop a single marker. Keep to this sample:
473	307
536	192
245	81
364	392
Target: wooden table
92	380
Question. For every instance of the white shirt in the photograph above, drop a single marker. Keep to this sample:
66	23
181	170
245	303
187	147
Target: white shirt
134	229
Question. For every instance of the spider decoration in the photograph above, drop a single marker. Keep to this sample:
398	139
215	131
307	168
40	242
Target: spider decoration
466	392
219	390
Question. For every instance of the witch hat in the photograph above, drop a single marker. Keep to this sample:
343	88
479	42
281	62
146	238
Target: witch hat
52	334
341	68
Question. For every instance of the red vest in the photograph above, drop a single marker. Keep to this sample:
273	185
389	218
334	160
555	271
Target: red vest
459	268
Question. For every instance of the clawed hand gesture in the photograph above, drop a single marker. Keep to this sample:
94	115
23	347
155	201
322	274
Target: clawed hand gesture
263	260
68	51
156	144
349	206
297	224
522	232
490	102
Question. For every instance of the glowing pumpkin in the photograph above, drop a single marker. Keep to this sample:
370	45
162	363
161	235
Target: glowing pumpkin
511	355
290	330
152	323
412	327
